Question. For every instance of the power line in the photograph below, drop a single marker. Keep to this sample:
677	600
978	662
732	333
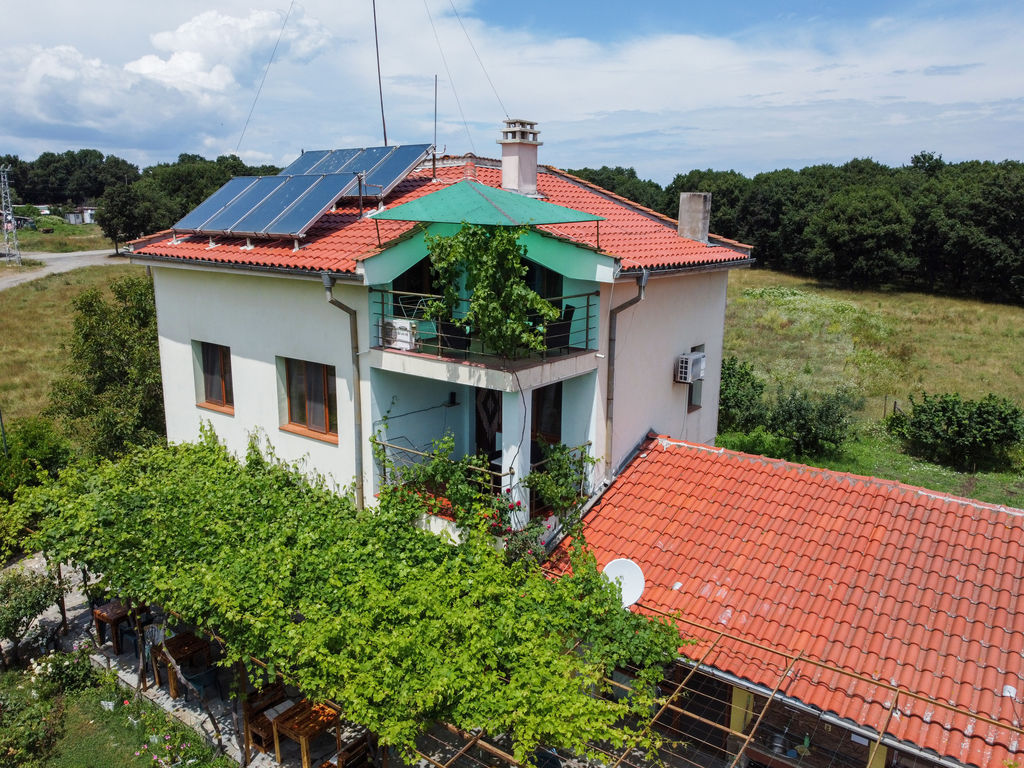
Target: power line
450	79
265	72
478	59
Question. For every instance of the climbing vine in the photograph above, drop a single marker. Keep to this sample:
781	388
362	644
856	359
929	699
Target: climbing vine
395	624
503	311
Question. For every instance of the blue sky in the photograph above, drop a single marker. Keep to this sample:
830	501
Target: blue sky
660	86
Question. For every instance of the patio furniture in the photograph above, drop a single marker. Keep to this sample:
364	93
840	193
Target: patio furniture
110	614
453	336
181	648
558	332
204	680
355	755
258	728
302	723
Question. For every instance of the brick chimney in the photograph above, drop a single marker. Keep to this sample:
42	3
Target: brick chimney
519	156
694	215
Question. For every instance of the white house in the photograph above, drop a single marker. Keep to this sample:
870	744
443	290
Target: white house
284	307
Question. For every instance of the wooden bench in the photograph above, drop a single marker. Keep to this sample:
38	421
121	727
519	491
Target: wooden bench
355	755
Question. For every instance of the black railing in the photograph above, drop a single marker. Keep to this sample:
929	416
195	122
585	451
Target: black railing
401	323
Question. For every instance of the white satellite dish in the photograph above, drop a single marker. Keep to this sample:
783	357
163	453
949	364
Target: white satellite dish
628	576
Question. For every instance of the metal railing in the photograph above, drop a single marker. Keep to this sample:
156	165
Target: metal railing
400	322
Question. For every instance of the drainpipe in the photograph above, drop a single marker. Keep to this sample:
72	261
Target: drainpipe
613	315
356	382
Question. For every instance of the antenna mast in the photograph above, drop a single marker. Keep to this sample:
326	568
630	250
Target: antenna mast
12	251
380	85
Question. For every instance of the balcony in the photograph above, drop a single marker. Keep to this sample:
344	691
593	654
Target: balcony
400	324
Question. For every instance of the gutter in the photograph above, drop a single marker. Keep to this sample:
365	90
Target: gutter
613	316
226	266
357	399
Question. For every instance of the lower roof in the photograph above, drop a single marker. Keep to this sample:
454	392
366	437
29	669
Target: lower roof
911	591
340	239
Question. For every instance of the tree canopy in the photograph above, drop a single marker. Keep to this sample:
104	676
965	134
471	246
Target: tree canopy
111	397
397	625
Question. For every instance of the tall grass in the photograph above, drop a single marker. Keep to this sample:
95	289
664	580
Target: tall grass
35	319
64	238
888	345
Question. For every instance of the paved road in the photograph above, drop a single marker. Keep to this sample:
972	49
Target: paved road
57	262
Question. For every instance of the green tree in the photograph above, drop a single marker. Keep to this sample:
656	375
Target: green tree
119	214
23	596
625	182
862	236
112	397
727	188
33	445
741	404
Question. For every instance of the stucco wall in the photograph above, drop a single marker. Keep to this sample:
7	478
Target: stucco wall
261	319
678	313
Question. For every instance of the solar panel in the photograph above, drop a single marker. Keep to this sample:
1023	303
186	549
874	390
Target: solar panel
255	193
194	220
310	207
304	162
262	216
335	161
369	158
383	178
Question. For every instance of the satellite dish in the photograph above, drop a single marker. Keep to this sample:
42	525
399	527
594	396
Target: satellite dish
628	576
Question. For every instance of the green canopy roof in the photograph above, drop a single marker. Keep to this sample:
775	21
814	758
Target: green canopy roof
475	203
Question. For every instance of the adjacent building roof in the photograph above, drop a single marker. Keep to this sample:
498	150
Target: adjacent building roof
911	590
638	237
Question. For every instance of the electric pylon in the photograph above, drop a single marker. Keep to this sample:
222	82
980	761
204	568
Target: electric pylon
12	251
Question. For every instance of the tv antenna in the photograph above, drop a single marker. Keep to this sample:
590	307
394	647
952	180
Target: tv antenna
628	576
12	251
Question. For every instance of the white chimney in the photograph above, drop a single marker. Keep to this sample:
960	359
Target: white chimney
519	156
694	215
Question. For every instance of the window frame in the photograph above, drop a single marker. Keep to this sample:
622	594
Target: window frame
695	389
209	379
308	376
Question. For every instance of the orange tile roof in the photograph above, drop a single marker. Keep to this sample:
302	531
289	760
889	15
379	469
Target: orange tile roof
910	588
640	238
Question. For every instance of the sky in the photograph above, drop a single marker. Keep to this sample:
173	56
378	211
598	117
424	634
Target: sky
661	86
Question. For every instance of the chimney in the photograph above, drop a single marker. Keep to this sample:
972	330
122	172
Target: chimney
519	156
694	215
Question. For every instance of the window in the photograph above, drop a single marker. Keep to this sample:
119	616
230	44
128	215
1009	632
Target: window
696	391
217	391
311	397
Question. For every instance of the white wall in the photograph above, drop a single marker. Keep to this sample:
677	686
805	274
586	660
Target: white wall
260	319
678	313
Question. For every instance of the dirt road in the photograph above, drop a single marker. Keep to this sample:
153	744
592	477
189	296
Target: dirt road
57	262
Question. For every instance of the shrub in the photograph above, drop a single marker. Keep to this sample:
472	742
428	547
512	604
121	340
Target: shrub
964	434
32	445
29	723
814	424
760	442
741	403
65	672
23	596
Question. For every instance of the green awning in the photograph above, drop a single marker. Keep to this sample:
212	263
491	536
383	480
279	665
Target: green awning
475	203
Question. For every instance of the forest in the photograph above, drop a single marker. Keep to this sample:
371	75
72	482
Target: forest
946	228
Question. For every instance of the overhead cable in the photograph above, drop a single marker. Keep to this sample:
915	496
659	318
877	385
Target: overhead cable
440	48
265	72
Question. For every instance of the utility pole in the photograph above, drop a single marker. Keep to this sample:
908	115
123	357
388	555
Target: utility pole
12	251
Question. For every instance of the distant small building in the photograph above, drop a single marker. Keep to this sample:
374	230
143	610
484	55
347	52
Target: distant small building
83	214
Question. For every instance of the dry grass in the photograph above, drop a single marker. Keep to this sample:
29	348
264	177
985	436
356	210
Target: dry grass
885	344
35	319
65	238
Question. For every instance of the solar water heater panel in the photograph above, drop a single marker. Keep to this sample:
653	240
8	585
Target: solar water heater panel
194	220
310	207
254	194
262	216
304	162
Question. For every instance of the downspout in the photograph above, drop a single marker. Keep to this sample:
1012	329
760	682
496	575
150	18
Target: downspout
357	398
613	315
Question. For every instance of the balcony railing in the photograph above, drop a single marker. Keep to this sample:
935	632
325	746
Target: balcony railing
400	323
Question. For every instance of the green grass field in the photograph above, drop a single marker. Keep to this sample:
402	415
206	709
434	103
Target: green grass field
887	345
35	319
64	238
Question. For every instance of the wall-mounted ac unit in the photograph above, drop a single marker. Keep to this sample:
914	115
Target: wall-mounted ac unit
690	367
398	333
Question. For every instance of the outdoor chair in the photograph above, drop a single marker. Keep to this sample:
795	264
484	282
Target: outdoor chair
259	731
202	681
126	633
355	755
558	332
453	336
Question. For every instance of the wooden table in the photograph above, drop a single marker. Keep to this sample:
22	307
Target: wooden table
303	722
111	614
181	648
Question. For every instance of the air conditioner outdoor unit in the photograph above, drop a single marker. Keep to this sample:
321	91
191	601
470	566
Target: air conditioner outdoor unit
398	333
690	367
